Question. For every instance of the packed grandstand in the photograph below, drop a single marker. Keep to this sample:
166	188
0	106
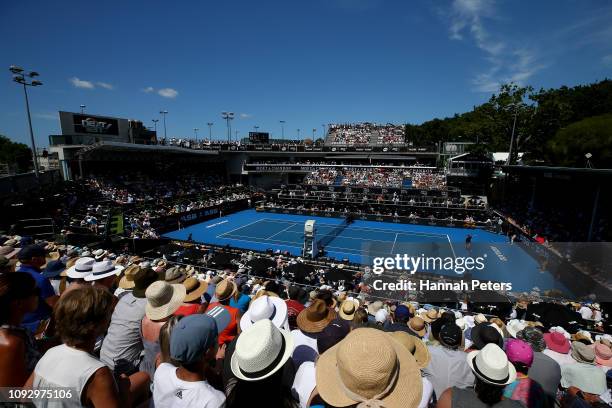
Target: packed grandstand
96	298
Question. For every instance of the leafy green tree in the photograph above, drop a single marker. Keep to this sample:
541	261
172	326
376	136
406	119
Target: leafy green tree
17	155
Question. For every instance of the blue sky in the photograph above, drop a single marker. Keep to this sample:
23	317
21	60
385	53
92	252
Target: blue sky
308	63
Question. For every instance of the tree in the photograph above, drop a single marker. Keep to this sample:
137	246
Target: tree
17	155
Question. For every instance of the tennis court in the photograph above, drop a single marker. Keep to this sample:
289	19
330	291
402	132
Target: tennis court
362	240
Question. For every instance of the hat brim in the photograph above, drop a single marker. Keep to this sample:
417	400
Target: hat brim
511	370
124	283
12	253
74	274
280	319
559	348
427	318
479	342
289	345
163	311
308	326
196	294
401	395
91	277
234	290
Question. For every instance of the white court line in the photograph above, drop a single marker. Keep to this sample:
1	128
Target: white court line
237	228
451	245
393	247
360	228
283	230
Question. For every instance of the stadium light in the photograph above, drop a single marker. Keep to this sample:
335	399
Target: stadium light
515	106
256	128
324	131
195	130
314	130
19	76
155	125
298	133
282	122
228	116
210	124
83	108
164	113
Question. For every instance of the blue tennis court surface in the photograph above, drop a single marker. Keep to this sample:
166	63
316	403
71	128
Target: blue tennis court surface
362	240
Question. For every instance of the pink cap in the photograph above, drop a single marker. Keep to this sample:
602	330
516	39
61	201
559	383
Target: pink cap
519	351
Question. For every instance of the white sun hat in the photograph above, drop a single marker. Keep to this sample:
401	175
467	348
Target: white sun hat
103	269
261	350
81	268
514	326
266	307
491	365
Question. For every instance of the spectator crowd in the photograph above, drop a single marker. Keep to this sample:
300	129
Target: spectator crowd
123	330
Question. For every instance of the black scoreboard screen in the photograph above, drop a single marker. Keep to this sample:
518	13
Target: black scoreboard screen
259	137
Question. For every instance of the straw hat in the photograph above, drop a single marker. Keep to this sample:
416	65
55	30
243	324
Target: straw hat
225	289
491	365
103	269
163	299
369	366
583	335
261	350
8	251
480	318
315	317
603	354
175	274
582	353
417	325
430	316
194	288
266	307
374	307
129	276
348	309
415	346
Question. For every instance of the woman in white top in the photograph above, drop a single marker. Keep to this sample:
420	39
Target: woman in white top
82	315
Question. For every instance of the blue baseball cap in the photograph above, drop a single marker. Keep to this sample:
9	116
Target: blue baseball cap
402	313
191	337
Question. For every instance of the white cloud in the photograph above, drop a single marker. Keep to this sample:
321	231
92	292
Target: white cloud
168	93
148	89
79	83
245	116
507	62
46	116
105	85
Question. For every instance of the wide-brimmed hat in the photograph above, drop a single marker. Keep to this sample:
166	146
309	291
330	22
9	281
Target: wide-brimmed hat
129	273
534	337
369	366
430	316
514	326
450	335
175	274
557	342
99	254
53	269
603	354
142	280
195	288
8	251
483	334
583	336
491	365
348	308
315	317
81	268
266	307
163	299
415	346
480	318
582	353
374	307
225	289
519	351
103	269
417	325
261	350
